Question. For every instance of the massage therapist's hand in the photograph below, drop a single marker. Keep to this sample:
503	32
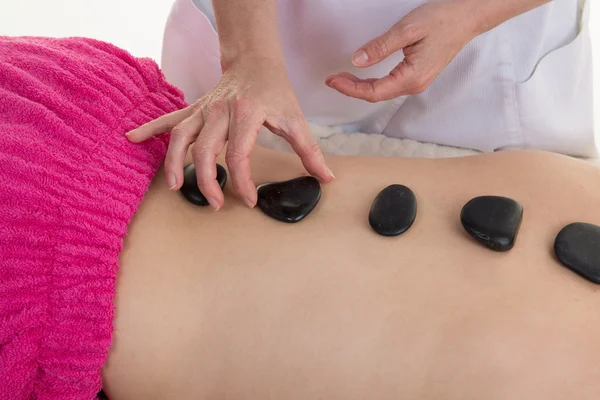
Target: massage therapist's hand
430	36
254	90
250	94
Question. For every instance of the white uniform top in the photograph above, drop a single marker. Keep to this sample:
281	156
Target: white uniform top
525	84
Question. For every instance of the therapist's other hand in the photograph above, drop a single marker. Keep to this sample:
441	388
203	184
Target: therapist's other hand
430	36
250	94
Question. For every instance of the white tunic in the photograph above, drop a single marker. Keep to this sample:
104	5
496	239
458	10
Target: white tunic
525	84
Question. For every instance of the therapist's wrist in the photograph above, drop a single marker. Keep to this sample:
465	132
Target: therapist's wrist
256	45
247	29
250	57
485	15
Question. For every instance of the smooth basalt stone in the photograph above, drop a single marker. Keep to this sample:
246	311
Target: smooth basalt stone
190	189
393	211
289	201
493	221
577	246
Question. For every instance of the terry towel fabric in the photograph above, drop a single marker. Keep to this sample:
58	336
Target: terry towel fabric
70	182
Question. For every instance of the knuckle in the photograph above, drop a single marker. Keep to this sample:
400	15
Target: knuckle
372	97
243	105
315	150
419	83
216	108
234	157
179	132
409	30
379	48
243	108
200	150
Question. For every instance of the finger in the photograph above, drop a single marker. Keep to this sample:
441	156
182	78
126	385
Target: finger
159	126
304	144
374	90
401	35
245	124
345	75
182	136
208	146
348	76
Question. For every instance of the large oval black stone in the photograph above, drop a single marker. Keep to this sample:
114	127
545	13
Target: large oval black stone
190	189
289	201
493	221
577	246
393	211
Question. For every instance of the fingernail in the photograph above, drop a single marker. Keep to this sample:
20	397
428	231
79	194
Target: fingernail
249	203
329	172
330	83
171	181
360	58
214	203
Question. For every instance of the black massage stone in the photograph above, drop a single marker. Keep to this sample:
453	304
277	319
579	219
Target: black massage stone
493	221
577	246
289	201
393	211
190	189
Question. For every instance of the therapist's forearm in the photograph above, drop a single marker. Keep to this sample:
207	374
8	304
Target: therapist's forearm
488	14
247	29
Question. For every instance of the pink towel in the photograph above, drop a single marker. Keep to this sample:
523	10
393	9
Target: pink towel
70	183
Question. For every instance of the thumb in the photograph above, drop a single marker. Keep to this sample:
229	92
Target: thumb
380	48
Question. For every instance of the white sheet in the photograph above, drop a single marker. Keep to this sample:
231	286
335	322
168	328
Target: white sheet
338	143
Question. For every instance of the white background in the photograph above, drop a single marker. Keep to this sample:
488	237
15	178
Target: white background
137	25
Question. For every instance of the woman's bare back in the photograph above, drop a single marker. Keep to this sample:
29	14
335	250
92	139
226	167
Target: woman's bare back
234	305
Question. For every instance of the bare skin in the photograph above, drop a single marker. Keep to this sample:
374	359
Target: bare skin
234	305
255	89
